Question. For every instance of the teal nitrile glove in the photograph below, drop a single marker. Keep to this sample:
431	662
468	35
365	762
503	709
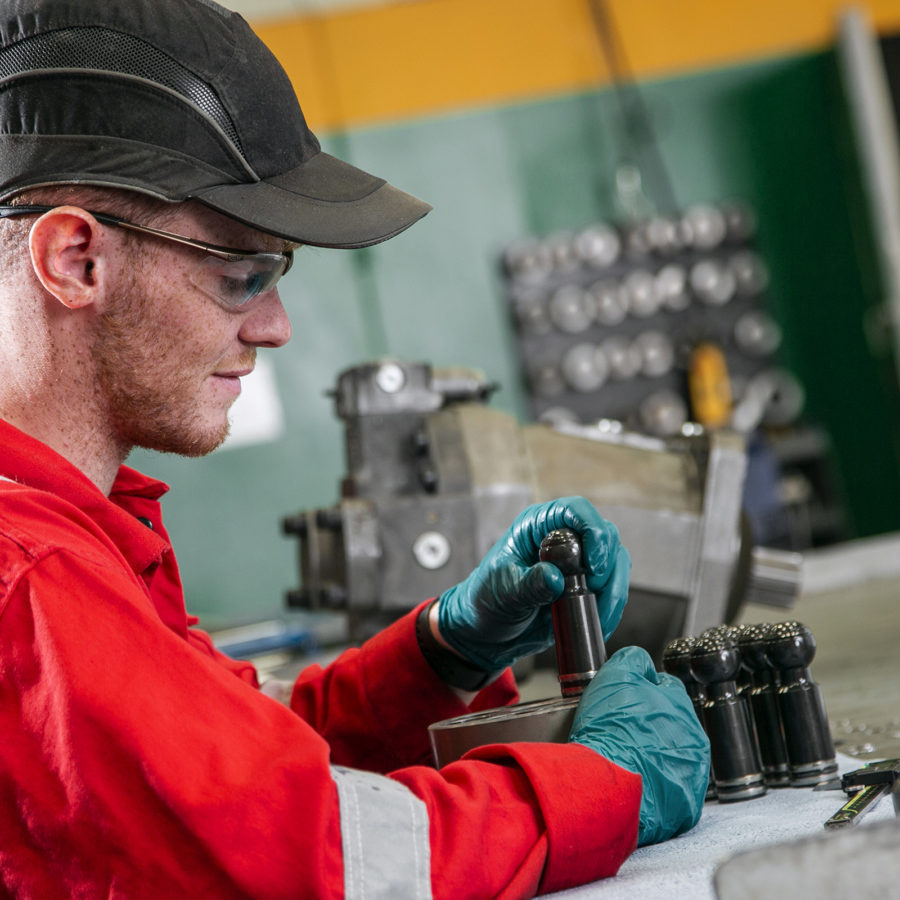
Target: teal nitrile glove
501	612
643	720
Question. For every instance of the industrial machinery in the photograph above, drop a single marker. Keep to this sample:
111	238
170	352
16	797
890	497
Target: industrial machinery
666	320
435	476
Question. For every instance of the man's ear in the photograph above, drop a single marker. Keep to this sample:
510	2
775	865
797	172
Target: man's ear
66	247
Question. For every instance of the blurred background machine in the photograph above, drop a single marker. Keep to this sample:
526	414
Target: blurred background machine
542	157
665	321
434	478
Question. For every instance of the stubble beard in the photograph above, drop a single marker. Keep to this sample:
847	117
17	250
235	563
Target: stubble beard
144	403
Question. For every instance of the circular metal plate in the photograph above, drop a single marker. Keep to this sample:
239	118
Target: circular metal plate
546	721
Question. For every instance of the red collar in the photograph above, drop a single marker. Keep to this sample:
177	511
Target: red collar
133	496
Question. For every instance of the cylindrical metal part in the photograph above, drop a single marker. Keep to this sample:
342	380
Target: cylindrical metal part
663	413
580	650
734	633
579	641
763	701
598	245
530	311
712	282
790	648
676	661
622	357
643	298
750	272
715	662
734	758
657	353
672	287
774	578
705	226
584	368
580	653
757	334
610	302
571	309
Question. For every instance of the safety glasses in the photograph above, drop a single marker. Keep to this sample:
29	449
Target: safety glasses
233	277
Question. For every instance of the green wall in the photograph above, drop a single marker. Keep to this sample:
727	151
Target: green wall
772	133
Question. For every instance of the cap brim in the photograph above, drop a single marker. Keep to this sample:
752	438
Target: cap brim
324	202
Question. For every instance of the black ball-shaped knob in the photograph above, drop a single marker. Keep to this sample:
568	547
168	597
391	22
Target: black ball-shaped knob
715	658
562	547
729	632
752	643
790	645
676	658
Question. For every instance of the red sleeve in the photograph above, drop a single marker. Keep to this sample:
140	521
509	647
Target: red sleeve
374	704
558	816
243	669
514	820
589	807
134	764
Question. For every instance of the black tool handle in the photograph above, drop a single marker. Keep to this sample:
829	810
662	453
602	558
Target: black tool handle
764	705
580	650
790	648
676	660
715	663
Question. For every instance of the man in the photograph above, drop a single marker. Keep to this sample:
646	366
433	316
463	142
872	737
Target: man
156	177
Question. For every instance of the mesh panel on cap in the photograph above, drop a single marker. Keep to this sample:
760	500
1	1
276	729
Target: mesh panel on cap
111	51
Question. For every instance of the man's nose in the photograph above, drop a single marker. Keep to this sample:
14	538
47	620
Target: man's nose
267	325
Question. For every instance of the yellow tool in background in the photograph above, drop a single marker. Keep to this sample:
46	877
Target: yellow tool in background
709	386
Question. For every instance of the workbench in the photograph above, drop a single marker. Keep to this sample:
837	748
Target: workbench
684	866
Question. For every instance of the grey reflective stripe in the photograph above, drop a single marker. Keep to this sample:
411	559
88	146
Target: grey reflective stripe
384	831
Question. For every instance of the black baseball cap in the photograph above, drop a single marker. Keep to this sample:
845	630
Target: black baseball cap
177	99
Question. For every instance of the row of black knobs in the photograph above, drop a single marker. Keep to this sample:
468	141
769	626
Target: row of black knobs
763	713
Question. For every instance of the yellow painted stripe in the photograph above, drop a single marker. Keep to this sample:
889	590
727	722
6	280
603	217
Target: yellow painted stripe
384	63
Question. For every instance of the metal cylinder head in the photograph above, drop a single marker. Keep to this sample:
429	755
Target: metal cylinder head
562	547
580	650
676	659
790	645
715	658
752	644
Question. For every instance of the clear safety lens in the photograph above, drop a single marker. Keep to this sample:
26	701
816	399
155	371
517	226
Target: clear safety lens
234	283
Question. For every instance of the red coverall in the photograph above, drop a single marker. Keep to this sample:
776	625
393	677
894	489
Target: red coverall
139	762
